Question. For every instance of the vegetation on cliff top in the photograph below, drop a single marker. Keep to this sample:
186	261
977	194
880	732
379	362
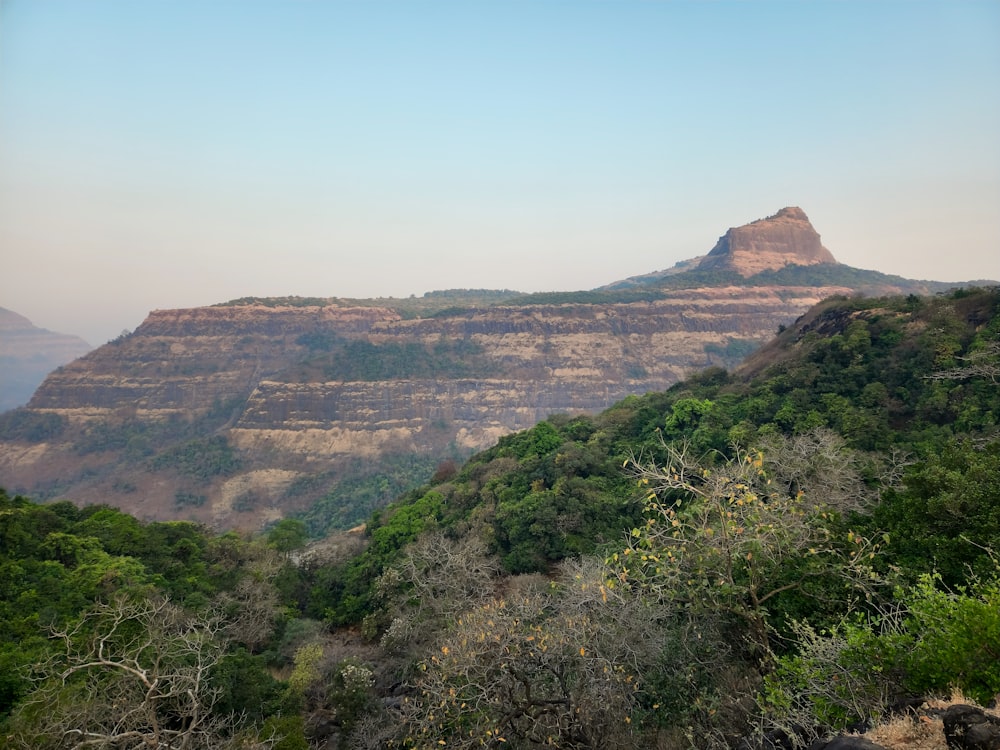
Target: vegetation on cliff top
459	301
797	544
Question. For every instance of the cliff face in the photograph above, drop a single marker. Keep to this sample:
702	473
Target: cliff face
300	391
28	354
787	238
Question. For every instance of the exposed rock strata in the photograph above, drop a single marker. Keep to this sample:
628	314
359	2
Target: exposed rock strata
311	396
248	369
787	238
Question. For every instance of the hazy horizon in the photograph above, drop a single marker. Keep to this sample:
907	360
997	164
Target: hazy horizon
163	155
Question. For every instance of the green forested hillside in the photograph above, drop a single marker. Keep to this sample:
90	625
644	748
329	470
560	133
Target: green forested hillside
799	543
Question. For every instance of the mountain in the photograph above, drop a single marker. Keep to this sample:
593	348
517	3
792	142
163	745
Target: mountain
793	549
28	354
785	239
780	249
239	414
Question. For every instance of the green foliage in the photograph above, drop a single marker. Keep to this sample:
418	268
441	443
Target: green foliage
31	426
288	731
344	593
930	642
836	679
363	360
287	534
351	692
686	414
202	458
135	437
350	502
947	513
538	441
305	672
952	639
404	523
320	341
245	686
58	563
141	438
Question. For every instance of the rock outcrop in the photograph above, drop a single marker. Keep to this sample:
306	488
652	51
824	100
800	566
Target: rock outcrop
785	239
970	728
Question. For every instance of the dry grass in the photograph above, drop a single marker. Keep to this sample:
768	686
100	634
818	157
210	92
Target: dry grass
910	732
919	732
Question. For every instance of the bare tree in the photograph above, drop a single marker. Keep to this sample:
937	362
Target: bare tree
552	667
252	607
131	674
981	363
438	578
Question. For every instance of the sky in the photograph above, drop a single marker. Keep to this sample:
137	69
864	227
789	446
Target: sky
177	153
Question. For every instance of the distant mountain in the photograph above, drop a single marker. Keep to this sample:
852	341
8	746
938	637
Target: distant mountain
238	414
785	239
28	354
783	249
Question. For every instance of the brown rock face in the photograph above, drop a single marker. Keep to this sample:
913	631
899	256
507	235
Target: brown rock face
785	239
304	391
306	399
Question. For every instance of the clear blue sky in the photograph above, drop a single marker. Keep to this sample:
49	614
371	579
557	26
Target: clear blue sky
173	153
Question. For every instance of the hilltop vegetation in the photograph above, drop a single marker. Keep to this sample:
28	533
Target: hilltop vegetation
443	303
427	304
800	543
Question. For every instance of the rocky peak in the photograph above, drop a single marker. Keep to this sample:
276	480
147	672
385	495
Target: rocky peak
785	239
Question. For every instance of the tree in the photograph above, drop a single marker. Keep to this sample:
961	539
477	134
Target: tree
722	538
435	581
131	673
287	535
978	363
550	665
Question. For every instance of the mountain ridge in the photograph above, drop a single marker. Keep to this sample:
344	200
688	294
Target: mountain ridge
240	413
29	353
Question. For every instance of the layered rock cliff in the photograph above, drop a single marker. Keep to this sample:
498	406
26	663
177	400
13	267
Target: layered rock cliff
237	415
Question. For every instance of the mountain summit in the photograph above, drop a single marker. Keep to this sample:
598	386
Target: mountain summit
785	239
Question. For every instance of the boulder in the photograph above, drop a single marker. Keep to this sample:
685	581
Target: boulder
970	728
850	743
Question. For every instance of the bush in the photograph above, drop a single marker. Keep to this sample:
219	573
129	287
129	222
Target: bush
932	642
201	459
31	426
953	639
